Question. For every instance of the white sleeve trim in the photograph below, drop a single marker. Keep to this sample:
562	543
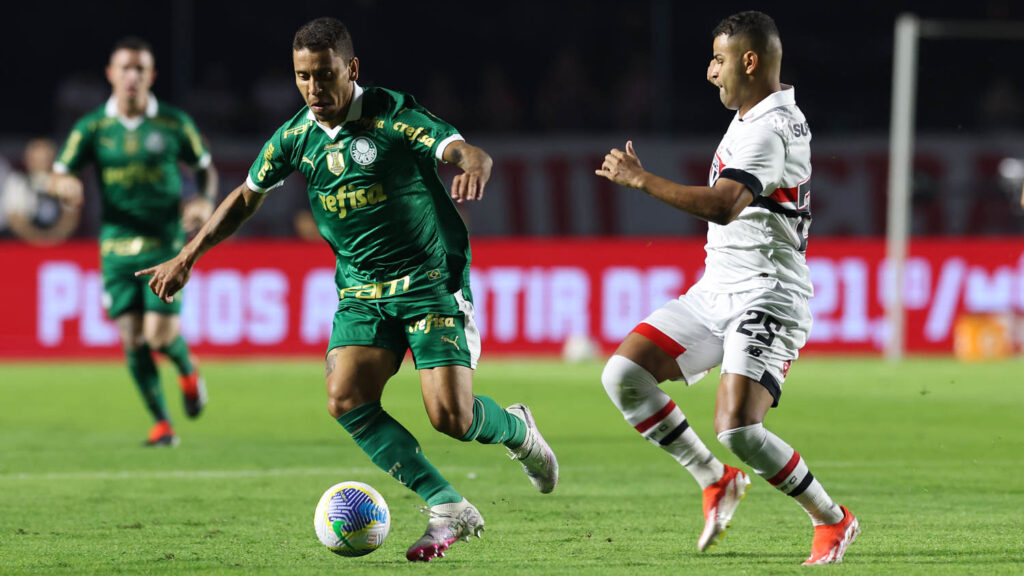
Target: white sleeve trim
439	153
252	185
204	161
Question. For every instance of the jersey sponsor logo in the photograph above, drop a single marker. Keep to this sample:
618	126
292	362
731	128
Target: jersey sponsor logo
800	129
431	321
335	158
155	143
363	151
133	174
415	134
376	290
349	198
296	131
268	155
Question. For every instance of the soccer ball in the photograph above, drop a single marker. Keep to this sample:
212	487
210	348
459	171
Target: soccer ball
352	519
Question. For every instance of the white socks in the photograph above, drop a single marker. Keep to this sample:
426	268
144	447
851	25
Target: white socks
636	394
783	467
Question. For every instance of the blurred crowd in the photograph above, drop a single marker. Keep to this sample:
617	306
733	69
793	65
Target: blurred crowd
575	70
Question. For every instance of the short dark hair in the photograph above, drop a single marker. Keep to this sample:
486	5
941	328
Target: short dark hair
323	34
133	43
757	27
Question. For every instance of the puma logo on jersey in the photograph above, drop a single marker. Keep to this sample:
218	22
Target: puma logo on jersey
452	342
310	162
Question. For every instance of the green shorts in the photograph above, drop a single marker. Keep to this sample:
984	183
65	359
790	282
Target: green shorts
438	329
123	292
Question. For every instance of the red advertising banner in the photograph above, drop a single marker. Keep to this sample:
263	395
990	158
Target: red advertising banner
259	298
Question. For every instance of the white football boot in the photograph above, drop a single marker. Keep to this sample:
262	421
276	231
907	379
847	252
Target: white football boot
538	460
448	523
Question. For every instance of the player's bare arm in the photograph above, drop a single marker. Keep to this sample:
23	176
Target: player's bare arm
171	276
476	170
68	189
199	209
720	204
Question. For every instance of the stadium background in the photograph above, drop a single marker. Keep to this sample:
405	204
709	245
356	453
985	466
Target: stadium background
547	89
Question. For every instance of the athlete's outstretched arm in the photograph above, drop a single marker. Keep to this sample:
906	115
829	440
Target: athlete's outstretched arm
721	204
171	276
476	170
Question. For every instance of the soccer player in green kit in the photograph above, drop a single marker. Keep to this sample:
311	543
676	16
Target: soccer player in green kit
136	143
370	160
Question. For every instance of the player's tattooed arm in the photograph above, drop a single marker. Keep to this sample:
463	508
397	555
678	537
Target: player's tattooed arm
476	170
171	276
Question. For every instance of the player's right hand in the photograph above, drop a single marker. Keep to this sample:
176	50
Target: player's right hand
623	168
167	277
68	189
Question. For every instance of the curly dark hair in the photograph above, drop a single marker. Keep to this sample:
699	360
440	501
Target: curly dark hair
325	34
757	27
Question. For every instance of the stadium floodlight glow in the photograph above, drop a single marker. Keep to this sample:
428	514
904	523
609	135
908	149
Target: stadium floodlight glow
909	29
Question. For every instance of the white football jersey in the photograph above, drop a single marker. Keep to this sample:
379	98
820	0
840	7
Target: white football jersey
769	151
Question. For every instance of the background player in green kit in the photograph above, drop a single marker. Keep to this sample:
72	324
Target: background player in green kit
402	251
135	144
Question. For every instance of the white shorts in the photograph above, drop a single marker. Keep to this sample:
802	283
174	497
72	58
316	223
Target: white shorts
757	333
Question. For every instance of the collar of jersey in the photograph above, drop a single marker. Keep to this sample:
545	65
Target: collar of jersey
355	111
130	123
784	97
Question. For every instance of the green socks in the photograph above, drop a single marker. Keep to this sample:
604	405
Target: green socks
492	425
177	351
143	369
394	450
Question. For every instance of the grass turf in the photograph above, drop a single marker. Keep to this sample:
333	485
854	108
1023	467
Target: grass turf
927	453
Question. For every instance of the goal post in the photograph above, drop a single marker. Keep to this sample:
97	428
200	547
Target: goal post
909	30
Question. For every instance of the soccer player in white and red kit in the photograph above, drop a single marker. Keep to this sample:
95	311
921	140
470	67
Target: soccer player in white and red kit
749	313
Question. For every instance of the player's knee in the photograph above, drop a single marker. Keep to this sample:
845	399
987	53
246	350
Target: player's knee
625	382
451	423
746	441
340	400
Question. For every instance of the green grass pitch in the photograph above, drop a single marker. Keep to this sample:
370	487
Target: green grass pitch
929	454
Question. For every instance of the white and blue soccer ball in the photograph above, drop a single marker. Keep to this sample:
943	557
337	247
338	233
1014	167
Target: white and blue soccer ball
352	519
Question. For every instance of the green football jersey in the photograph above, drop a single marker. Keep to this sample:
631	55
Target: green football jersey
136	161
375	195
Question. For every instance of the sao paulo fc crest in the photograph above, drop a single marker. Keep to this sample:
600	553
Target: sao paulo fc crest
363	151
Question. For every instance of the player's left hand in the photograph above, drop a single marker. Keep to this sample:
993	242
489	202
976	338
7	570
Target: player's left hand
623	168
196	212
168	278
470	184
